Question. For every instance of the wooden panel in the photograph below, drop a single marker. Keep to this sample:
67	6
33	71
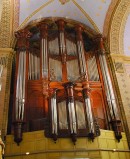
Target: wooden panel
35	110
98	108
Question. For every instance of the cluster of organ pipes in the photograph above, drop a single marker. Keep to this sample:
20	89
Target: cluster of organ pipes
92	71
71	48
111	100
20	87
33	66
62	45
108	84
53	50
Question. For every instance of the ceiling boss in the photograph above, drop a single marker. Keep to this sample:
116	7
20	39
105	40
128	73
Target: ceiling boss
64	1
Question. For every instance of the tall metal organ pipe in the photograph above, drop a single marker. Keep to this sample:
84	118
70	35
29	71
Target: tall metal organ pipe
44	50
111	99
20	87
20	98
62	44
80	49
44	56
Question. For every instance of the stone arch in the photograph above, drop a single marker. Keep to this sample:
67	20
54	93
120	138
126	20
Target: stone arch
116	28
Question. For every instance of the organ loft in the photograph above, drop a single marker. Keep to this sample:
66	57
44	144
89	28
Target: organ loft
63	84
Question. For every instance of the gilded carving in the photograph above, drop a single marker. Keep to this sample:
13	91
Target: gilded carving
109	14
5	26
116	26
16	14
121	40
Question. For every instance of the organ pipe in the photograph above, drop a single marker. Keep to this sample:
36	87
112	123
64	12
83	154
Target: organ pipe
80	49
34	66
44	56
89	113
44	49
111	100
62	43
54	115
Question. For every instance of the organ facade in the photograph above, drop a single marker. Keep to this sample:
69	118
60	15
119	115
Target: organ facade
63	84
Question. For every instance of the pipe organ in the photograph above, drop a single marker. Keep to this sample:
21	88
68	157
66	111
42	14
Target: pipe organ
62	84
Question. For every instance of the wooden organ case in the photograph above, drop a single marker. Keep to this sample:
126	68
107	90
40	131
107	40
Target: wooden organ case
63	84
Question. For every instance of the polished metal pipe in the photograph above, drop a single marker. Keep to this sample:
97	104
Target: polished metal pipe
44	58
81	57
54	114
24	77
89	115
17	89
42	47
112	95
72	117
21	80
106	86
62	43
110	92
32	73
19	85
29	71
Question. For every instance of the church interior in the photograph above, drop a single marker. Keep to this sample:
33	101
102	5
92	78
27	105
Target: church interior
65	79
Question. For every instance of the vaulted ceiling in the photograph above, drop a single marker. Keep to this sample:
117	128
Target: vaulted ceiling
92	13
